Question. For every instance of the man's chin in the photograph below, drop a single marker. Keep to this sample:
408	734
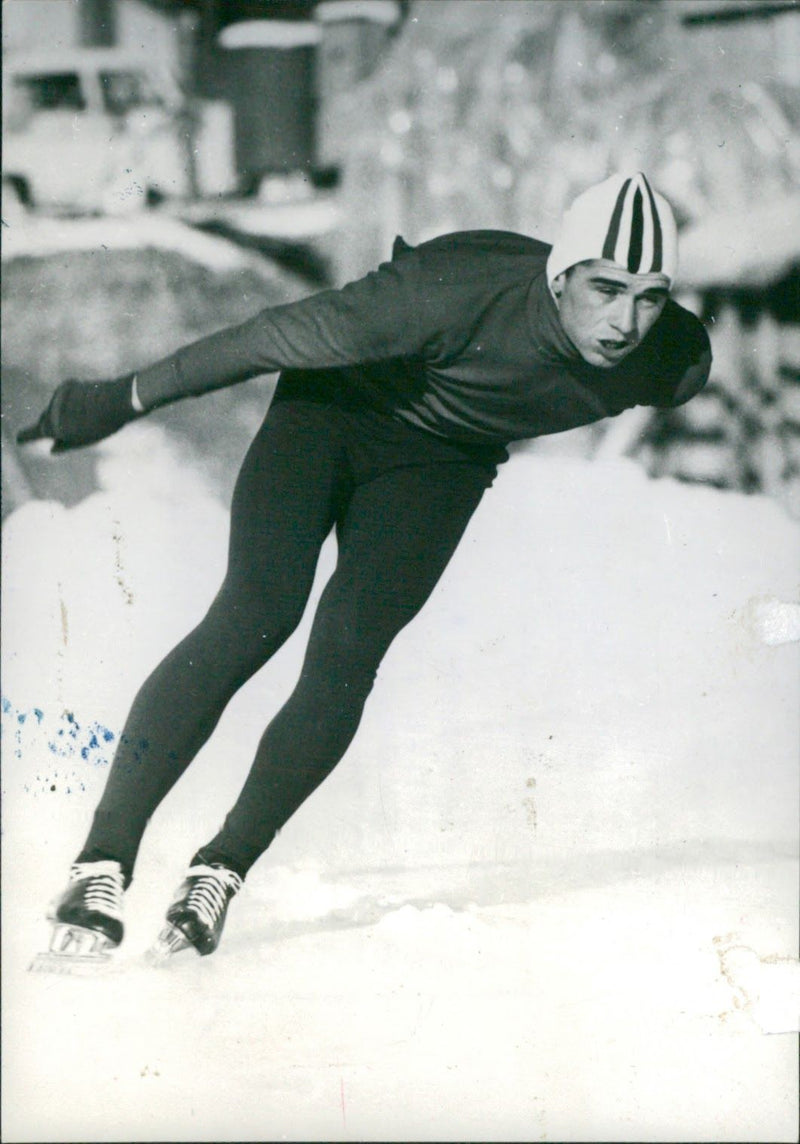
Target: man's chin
606	357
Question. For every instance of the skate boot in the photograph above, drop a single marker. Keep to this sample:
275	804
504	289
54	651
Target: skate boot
86	919
197	915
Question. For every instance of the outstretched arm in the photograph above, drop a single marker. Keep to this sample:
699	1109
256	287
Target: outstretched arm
368	320
371	319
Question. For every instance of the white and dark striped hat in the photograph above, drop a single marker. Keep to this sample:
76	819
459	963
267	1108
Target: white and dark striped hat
622	220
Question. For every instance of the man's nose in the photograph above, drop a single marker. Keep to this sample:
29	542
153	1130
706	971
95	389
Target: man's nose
623	318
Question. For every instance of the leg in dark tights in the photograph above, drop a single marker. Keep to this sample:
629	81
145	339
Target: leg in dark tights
398	535
284	505
397	526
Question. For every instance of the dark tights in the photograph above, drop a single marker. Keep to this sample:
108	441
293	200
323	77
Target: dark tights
400	500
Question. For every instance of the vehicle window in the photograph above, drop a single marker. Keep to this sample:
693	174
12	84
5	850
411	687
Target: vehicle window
59	92
125	90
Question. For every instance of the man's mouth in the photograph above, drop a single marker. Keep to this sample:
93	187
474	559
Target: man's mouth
613	348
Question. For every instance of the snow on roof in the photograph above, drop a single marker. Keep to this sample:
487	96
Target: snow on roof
376	11
270	34
53	61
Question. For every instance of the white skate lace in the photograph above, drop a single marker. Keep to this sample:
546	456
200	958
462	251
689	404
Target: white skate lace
104	886
209	894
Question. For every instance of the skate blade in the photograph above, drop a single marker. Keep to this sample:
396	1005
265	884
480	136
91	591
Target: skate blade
169	943
74	950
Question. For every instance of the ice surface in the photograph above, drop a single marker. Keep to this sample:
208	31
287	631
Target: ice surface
549	894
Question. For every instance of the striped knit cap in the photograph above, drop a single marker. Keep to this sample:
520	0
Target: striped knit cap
622	220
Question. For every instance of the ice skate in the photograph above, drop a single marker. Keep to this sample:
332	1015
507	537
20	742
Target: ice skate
196	917
86	920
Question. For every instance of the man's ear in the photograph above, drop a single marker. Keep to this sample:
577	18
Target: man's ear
557	285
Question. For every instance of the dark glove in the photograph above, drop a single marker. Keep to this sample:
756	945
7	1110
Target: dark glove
82	412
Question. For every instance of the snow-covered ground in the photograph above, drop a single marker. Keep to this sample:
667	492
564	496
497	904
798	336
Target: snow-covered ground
551	893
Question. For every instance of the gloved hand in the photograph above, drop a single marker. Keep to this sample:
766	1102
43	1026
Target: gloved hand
82	412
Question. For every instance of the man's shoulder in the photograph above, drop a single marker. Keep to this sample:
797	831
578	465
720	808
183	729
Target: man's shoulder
680	335
676	356
482	248
487	242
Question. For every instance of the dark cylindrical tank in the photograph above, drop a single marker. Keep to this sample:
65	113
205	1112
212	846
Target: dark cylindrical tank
268	76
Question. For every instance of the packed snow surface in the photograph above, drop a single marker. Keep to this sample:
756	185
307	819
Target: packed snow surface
551	892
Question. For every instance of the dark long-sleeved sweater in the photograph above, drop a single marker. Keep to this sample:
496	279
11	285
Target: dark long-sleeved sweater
459	336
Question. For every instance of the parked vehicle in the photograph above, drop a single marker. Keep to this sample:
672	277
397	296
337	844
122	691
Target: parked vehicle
92	130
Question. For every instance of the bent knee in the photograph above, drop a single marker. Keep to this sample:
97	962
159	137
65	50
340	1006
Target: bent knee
350	646
253	634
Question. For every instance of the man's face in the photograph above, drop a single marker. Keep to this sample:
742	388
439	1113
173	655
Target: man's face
606	311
